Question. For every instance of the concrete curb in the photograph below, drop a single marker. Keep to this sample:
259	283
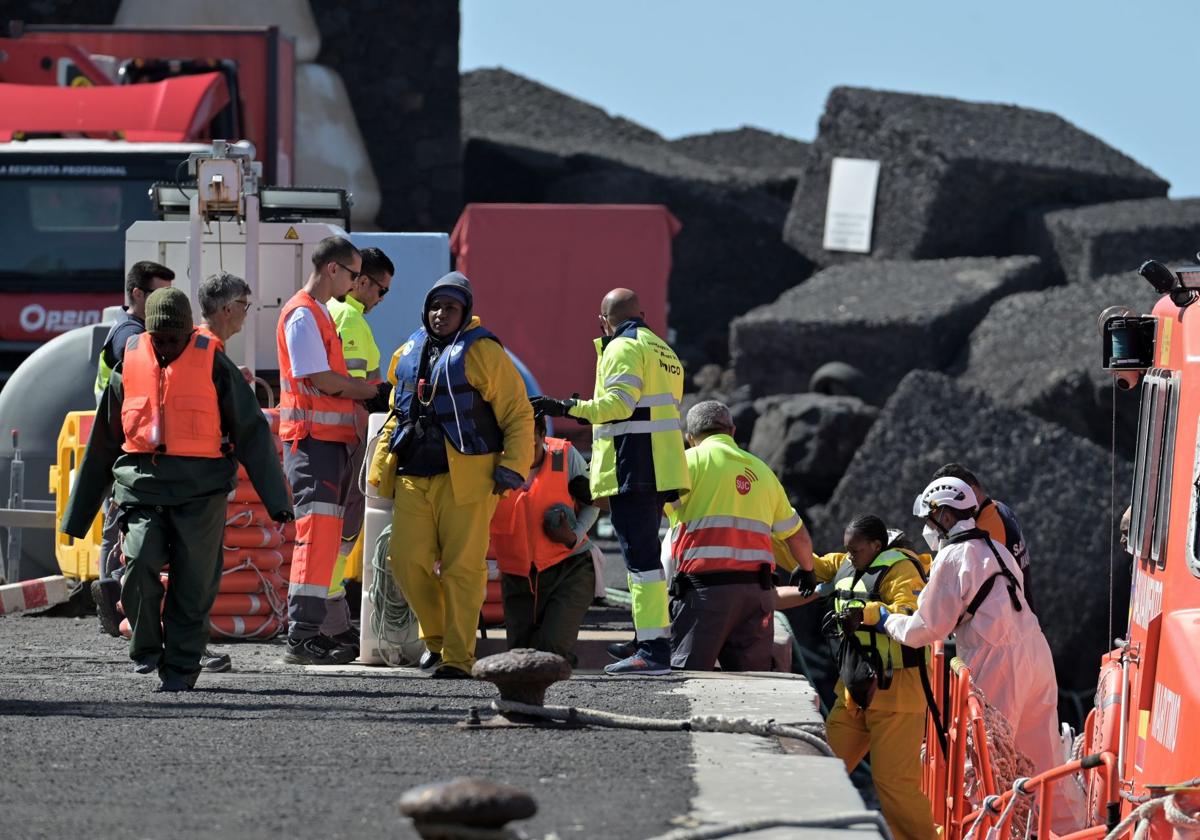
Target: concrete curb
744	777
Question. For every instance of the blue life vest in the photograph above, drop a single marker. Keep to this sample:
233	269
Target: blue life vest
465	417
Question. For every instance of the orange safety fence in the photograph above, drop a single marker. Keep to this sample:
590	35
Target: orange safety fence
945	776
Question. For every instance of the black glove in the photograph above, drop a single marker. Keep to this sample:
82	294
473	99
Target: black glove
505	479
283	516
382	400
806	580
550	407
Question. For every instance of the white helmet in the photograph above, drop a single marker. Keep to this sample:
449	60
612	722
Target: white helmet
944	492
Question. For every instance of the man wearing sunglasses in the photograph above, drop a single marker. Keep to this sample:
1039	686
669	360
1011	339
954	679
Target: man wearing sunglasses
317	403
362	361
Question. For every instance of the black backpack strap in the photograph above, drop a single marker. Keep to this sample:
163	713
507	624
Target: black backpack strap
1010	579
938	725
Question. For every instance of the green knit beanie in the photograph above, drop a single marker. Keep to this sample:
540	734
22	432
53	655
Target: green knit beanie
168	310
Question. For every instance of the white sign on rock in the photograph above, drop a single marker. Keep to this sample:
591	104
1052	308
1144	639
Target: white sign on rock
850	211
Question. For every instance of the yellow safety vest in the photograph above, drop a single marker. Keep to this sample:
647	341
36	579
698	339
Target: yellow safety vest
855	589
637	438
727	520
358	342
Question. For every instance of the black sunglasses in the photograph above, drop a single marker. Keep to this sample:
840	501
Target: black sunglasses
383	290
354	275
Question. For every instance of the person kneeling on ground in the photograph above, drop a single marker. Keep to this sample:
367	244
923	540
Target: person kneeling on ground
723	594
168	419
540	542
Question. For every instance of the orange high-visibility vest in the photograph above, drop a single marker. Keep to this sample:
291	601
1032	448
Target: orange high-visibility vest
207	333
518	540
171	410
303	410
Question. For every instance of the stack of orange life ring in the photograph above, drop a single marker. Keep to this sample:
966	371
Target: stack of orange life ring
252	600
492	612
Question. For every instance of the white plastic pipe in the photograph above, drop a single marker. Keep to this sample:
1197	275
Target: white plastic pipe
378	516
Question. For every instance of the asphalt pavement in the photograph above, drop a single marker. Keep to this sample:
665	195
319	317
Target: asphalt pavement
88	748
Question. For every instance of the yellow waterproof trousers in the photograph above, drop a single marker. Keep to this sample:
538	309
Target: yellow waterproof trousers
428	528
894	742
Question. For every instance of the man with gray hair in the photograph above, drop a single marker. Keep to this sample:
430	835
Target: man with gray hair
224	304
723	595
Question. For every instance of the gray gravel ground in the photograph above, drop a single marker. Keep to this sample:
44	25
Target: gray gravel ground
88	749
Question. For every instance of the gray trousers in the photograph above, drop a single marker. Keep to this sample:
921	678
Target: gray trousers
731	624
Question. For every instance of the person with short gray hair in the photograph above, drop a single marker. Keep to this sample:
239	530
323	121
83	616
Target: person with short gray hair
220	290
707	418
224	305
722	531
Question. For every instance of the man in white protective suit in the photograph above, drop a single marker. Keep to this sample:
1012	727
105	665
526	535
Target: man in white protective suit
974	592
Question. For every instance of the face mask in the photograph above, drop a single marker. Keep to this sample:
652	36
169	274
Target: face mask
932	536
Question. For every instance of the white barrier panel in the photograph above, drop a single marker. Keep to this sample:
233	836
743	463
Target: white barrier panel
377	517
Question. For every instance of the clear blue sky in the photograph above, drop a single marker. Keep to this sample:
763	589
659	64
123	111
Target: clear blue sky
1127	72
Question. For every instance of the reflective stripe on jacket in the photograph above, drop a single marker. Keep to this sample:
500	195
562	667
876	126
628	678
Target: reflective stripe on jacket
358	342
171	410
467	420
518	539
303	410
852	588
637	437
735	505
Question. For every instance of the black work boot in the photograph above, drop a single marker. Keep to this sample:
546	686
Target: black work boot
106	593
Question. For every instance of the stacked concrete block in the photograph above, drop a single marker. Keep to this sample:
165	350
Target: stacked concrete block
808	440
955	176
528	143
884	318
770	161
1058	484
1084	243
1041	352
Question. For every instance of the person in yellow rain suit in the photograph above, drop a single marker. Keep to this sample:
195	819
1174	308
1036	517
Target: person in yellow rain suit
460	435
867	575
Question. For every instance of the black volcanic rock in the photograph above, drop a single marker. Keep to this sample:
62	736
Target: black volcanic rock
955	176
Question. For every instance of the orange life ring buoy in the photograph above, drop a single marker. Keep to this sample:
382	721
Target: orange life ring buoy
493	613
249	627
245	514
1103	731
243	493
263	559
239	603
251	537
493	594
250	581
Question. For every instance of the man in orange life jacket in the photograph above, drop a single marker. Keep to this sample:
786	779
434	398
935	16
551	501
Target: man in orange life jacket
158	439
316	423
548	579
723	593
